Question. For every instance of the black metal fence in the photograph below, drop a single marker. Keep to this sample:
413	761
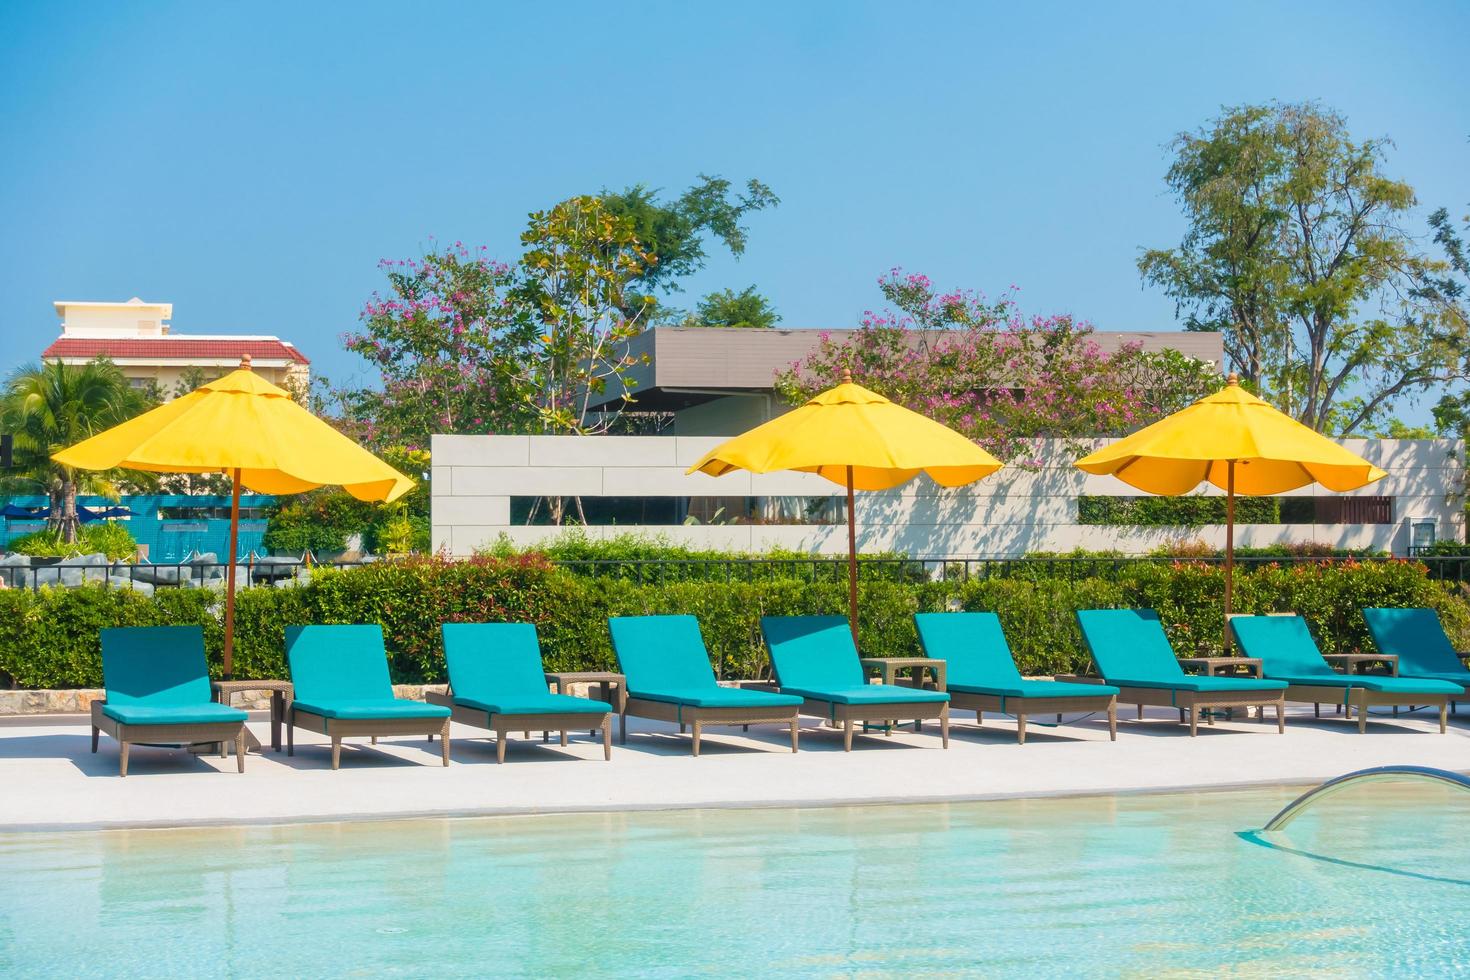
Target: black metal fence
653	571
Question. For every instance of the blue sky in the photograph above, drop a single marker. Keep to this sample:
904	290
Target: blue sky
252	162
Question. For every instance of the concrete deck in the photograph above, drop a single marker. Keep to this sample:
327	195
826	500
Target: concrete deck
49	780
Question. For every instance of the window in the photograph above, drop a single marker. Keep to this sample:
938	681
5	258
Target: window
666	511
1195	509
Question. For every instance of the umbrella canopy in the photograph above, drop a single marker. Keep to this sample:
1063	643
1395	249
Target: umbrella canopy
1237	442
244	426
858	439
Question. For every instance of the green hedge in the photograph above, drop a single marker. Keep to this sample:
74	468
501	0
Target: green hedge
49	638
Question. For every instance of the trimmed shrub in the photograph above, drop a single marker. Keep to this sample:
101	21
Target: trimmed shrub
48	638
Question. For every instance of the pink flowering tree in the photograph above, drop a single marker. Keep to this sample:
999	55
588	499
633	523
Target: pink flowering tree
1004	379
446	340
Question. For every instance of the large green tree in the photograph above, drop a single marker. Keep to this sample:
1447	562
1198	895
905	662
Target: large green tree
1296	252
673	233
727	308
49	407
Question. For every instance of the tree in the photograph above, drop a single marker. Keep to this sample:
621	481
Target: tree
1295	254
1006	380
727	308
51	407
673	234
576	282
447	342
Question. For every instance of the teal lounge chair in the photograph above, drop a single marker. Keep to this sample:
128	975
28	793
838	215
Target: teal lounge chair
814	657
1288	653
1418	639
669	678
496	682
157	693
982	674
1132	653
340	676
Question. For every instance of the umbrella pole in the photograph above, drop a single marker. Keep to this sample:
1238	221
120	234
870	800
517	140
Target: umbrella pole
852	604
230	573
1229	546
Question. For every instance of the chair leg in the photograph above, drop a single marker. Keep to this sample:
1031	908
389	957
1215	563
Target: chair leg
1140	712
1193	721
336	751
290	739
224	750
944	727
979	719
1362	718
1316	710
847	735
1444	718
375	740
681	728
444	742
546	737
1280	718
794	724
122	759
698	731
500	740
1020	729
623	728
1113	721
607	738
563	737
745	728
240	751
95	732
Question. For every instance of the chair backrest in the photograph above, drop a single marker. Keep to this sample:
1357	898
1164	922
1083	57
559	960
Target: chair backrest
661	653
1416	637
161	666
338	663
972	645
1284	645
486	659
813	652
1129	644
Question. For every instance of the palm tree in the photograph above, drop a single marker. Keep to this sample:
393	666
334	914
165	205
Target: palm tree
53	406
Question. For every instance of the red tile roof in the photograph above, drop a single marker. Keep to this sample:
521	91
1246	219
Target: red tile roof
172	348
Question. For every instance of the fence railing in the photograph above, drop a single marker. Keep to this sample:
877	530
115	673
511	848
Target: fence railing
654	571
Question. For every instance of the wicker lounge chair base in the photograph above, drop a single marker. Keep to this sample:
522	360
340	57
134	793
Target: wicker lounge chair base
697	718
850	715
1191	703
340	728
220	734
503	725
1021	707
1363	699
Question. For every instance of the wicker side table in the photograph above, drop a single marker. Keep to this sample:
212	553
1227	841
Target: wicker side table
281	695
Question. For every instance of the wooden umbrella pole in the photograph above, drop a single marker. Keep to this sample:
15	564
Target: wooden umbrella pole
230	573
852	605
1229	546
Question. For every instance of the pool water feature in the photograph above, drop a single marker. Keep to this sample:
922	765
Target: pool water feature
1369	883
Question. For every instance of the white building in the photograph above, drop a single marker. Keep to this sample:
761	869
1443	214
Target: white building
136	336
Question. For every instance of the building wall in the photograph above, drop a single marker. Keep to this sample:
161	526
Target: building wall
1010	513
167	376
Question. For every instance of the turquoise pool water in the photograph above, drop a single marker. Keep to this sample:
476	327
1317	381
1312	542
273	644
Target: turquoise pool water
1376	881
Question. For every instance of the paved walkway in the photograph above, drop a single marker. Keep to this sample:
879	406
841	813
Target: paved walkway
49	779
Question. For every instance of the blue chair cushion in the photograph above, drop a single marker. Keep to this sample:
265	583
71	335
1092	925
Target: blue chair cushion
1417	638
338	664
1203	684
1462	681
661	653
871	694
157	666
545	704
493	662
719	697
1038	689
1381	684
1129	643
203	713
974	647
370	709
813	653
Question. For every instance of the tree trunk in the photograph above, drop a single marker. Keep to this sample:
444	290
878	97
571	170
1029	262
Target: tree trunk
66	519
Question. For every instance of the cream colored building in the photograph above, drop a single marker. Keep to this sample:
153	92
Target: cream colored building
137	338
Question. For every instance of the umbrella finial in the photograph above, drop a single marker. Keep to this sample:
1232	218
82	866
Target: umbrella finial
846	375
1232	378
245	362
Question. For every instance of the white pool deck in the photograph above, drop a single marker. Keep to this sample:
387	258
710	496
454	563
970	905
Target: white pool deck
49	780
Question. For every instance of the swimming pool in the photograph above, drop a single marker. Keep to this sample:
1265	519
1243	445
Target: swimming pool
1096	886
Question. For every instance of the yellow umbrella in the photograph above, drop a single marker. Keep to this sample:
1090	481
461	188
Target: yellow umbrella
1240	444
246	427
858	439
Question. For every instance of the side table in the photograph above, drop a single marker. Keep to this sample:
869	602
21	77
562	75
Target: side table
889	668
281	696
612	688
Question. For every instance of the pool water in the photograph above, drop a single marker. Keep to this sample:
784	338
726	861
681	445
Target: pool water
1373	881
